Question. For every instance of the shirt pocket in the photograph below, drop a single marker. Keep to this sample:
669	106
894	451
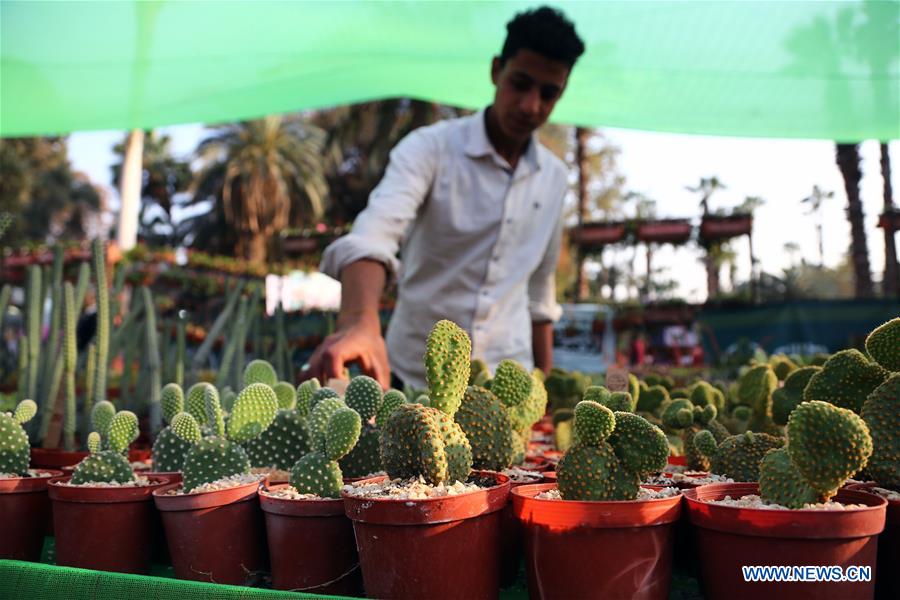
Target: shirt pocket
466	204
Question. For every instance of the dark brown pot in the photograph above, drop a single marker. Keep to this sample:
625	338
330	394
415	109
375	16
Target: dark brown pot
216	536
432	548
25	510
887	586
106	529
512	537
311	545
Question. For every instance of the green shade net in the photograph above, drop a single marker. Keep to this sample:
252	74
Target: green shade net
827	70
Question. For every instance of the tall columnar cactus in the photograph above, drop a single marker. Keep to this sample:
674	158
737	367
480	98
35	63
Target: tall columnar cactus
613	452
169	449
109	465
151	361
883	345
419	440
786	398
70	354
179	348
881	412
846	379
224	317
683	416
738	456
14	447
33	316
334	434
826	446
224	375
90	366
103	319
220	454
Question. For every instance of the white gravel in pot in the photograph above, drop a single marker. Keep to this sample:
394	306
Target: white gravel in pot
754	501
290	493
139	482
224	483
407	489
31	473
885	493
517	475
643	494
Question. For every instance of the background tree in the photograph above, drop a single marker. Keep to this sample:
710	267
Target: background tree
712	254
815	200
847	157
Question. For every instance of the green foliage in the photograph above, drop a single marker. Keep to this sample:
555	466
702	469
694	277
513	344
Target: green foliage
363	395
253	411
282	443
846	379
881	412
14	447
738	456
259	371
286	395
786	398
486	423
305	393
883	345
447	363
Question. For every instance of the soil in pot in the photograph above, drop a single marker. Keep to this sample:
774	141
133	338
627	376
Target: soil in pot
629	545
730	537
25	510
103	528
437	547
216	536
887	586
311	543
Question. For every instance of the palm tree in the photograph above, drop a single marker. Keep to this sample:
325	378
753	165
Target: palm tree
706	188
891	283
261	175
815	201
847	157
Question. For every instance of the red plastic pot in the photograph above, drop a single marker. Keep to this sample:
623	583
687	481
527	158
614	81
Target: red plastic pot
26	509
729	538
216	536
56	458
311	545
103	528
431	548
576	549
549	476
888	584
535	464
678	461
512	537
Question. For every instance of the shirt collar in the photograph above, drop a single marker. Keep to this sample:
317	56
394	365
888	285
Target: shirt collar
478	145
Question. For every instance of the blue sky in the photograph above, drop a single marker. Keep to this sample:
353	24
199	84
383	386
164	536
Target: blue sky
660	166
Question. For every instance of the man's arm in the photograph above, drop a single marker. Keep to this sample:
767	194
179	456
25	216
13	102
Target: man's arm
358	336
542	345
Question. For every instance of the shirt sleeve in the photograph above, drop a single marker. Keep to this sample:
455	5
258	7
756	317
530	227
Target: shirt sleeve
393	204
542	304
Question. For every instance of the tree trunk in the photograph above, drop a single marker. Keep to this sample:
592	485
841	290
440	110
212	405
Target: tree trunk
847	156
581	139
130	189
891	283
712	275
649	270
255	248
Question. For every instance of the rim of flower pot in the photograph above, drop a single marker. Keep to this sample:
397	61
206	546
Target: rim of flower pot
299	507
430	511
101	495
211	499
606	514
793	523
27	485
893	507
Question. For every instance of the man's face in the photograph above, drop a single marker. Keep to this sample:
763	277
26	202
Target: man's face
527	88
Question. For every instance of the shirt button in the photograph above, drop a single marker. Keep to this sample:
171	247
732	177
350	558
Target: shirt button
484	292
508	221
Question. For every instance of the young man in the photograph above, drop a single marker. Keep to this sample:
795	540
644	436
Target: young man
476	203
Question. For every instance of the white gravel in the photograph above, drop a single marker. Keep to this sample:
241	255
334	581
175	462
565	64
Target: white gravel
643	494
693	478
754	501
407	489
219	484
274	475
138	482
31	473
885	493
517	475
290	493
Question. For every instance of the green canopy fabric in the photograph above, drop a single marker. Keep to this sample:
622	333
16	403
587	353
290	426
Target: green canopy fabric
799	69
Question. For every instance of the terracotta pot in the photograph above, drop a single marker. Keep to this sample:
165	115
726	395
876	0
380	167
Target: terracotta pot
103	528
26	509
216	536
729	538
512	537
311	545
887	586
629	545
431	548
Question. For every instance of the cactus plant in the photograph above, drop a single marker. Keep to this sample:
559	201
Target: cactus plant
33	331
565	389
305	393
883	345
881	412
14	448
259	371
70	355
652	398
336	433
288	437
738	456
169	449
109	466
486	423
846	379
683	416
220	454
612	453
826	446
98	255
151	362
786	398
286	394
364	395
755	388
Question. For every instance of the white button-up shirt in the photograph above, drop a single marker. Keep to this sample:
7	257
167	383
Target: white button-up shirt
478	242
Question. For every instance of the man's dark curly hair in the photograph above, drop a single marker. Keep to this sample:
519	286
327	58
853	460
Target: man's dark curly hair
546	31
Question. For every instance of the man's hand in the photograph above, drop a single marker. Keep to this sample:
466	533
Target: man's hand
359	343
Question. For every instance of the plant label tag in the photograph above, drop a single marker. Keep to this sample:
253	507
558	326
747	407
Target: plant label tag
617	379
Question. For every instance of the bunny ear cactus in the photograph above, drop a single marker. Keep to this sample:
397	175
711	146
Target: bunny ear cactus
169	449
881	412
883	345
782	366
198	397
305	393
612	453
755	388
826	446
738	456
259	371
846	379
447	364
322	394
486	423
703	394
319	472
101	416
14	446
363	395
652	398
254	410
683	416
786	398
286	395
479	372
109	466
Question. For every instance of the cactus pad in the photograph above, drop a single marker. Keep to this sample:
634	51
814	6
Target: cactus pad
316	474
253	411
389	403
364	396
487	426
447	363
305	393
512	383
14	446
342	432
846	379
213	458
883	345
593	422
282	443
642	448
286	394
365	458
881	413
259	371
786	398
172	401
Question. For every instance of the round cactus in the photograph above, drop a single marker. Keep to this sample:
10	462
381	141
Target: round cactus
487	426
25	411
253	411
364	396
282	443
389	403
305	393
679	413
447	363
314	473
512	383
259	371
213	458
594	473
881	412
593	422
286	394
14	447
846	379
883	345
172	401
